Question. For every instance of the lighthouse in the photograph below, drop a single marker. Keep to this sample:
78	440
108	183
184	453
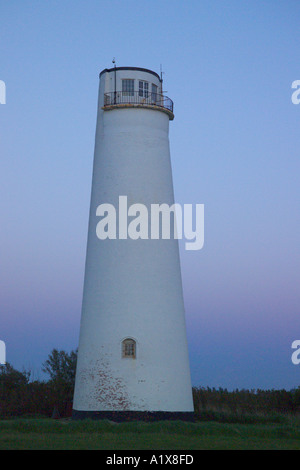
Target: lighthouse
133	355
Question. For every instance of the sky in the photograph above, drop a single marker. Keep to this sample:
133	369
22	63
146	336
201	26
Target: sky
228	67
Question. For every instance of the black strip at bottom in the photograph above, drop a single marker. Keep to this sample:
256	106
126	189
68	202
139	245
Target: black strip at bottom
121	416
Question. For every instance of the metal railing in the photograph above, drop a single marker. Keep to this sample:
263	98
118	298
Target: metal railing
139	98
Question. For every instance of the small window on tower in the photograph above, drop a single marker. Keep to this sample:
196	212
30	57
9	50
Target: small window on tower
129	348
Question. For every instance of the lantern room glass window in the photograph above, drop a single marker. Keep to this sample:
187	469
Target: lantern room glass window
128	87
143	89
154	96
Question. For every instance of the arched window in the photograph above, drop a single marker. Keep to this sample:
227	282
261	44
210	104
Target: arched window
129	348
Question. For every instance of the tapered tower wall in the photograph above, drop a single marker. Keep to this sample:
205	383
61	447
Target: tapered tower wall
132	288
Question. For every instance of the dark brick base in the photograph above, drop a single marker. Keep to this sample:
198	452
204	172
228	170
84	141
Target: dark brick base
121	416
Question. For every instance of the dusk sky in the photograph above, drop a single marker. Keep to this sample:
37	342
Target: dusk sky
229	68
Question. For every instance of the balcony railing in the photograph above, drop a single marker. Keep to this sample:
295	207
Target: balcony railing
137	98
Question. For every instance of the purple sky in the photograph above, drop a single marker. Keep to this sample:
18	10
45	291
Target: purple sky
228	66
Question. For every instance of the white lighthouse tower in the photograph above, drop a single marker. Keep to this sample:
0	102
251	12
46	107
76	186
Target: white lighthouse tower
132	357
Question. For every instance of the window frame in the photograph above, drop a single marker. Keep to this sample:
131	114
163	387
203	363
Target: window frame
128	348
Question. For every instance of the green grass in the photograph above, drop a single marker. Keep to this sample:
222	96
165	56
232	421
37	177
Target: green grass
69	435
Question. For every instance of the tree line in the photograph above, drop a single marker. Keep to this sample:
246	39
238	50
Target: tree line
21	396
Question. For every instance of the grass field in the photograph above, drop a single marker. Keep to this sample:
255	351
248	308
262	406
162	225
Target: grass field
49	434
